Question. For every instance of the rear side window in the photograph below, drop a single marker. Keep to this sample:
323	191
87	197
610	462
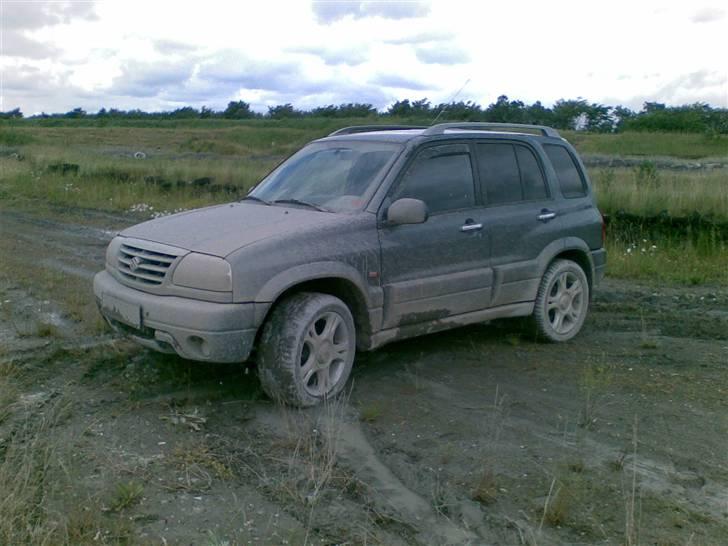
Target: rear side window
499	173
570	179
442	177
509	173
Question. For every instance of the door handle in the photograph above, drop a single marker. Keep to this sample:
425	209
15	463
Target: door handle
546	215
471	227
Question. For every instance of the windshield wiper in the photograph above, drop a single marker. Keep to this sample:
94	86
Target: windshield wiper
254	198
299	202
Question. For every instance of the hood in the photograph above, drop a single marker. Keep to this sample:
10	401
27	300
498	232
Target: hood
223	229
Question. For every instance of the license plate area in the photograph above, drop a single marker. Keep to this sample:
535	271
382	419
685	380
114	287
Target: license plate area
125	312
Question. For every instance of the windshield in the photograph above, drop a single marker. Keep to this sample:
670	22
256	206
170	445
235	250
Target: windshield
334	176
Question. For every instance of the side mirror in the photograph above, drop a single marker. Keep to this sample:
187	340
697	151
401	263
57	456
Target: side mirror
407	211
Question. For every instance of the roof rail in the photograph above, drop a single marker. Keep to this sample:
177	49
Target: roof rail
440	128
366	128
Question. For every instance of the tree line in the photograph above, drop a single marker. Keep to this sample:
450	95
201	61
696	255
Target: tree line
576	114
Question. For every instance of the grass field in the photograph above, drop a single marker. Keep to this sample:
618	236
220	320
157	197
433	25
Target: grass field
90	164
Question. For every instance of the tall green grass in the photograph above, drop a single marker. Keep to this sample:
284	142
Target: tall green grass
649	192
122	184
668	260
678	145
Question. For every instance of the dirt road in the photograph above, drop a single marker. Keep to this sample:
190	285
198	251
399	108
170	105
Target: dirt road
475	436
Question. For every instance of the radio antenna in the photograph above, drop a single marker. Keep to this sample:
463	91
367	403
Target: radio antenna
444	107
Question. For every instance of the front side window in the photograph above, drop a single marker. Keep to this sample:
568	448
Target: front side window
337	176
567	173
442	177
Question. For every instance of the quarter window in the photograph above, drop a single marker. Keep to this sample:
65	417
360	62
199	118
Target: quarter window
532	180
567	173
442	177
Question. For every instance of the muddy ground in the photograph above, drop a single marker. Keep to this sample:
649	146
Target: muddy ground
474	436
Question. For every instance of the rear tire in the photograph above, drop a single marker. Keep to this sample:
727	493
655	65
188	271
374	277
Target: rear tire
307	349
562	301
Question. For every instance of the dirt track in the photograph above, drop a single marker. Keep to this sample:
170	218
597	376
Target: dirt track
476	436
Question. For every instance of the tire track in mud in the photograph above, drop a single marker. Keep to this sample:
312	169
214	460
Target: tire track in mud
69	248
390	495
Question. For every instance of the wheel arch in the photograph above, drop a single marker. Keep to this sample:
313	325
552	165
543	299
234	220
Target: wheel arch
577	251
335	279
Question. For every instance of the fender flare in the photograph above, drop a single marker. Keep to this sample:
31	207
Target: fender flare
564	245
289	278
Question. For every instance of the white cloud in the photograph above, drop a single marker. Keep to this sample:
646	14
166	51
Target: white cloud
708	15
446	55
329	11
158	55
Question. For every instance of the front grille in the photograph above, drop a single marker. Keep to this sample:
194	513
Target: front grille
142	265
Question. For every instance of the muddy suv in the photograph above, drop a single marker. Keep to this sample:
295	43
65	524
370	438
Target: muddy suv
367	236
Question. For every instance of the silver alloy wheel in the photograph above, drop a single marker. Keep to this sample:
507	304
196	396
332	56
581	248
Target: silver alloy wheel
565	303
324	353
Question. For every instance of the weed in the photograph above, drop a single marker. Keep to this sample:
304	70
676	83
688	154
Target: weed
126	495
593	383
500	413
8	397
28	474
46	329
649	344
7	370
555	508
631	524
371	412
192	420
618	463
486	487
88	526
646	341
646	175
191	459
604	180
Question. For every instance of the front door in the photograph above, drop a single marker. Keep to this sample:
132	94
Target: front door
438	268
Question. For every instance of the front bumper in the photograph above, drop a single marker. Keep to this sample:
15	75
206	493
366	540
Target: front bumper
198	330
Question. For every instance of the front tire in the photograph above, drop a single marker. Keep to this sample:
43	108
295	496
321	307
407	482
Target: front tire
307	349
562	301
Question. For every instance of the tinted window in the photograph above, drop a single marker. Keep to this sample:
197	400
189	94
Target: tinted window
499	176
532	181
567	173
441	177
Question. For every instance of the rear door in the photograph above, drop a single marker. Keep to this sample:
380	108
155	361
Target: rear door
520	216
576	211
438	268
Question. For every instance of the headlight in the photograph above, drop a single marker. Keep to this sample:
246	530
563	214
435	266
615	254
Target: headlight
112	252
204	272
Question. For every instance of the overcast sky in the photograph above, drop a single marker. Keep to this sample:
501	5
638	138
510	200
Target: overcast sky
160	55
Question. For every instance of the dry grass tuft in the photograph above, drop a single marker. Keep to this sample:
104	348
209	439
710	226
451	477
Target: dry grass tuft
28	462
486	487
